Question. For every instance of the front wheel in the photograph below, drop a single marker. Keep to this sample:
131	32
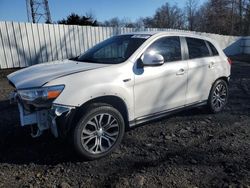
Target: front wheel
218	96
98	132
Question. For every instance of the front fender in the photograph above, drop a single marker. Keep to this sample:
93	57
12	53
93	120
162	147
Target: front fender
83	87
83	95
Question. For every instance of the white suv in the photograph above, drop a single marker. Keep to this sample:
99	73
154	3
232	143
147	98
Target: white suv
120	83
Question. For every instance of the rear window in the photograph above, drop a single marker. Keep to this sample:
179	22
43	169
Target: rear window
213	49
197	48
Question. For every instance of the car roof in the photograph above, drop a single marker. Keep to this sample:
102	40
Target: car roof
171	33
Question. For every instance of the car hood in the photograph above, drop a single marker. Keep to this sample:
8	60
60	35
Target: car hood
38	75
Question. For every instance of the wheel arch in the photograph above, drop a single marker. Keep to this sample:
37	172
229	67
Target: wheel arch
226	79
111	100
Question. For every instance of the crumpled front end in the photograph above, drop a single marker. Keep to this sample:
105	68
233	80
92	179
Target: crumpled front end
40	115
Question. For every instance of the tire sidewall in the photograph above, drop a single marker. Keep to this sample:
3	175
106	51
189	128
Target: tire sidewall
81	123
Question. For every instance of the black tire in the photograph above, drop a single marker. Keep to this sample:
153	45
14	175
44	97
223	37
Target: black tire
86	133
218	98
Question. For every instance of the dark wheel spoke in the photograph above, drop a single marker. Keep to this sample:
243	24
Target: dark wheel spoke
85	143
105	127
109	136
94	146
110	126
107	140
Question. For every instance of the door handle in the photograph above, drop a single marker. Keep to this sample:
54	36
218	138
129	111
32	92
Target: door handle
211	65
127	80
180	72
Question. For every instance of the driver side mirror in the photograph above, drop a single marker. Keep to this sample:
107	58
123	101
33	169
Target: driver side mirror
152	59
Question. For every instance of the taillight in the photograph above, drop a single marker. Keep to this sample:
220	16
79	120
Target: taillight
229	61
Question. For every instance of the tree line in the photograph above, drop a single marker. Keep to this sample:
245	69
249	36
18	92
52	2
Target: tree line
227	17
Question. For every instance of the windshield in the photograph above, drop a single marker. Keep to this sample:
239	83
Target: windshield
113	50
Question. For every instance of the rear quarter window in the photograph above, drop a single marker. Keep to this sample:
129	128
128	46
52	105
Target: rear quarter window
213	49
197	48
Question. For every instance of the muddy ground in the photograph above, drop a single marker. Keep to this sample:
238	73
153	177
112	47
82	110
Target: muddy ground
189	149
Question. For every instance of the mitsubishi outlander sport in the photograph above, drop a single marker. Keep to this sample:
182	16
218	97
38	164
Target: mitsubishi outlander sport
121	82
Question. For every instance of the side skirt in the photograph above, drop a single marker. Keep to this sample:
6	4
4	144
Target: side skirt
164	113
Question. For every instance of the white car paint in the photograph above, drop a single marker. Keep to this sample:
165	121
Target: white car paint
38	75
160	88
145	91
106	81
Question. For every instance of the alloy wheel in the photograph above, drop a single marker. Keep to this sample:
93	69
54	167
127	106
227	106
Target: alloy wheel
219	97
100	133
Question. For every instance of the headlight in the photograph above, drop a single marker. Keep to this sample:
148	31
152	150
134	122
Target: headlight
40	96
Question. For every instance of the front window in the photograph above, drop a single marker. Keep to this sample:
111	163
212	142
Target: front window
114	50
168	47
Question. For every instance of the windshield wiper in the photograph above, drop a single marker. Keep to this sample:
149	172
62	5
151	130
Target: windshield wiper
86	60
74	58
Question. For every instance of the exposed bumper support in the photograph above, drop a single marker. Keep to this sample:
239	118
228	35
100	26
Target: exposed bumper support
43	119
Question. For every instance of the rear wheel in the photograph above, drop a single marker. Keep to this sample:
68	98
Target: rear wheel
218	96
98	132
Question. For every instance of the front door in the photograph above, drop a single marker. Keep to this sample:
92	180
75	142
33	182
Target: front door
161	88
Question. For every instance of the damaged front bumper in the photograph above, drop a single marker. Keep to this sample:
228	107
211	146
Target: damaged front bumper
42	119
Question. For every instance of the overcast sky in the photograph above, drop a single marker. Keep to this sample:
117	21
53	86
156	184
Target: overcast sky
15	10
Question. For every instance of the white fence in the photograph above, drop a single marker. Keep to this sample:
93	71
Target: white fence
25	44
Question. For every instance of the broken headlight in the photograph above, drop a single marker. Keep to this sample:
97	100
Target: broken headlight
40	97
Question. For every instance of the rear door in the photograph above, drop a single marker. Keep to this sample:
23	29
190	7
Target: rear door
201	70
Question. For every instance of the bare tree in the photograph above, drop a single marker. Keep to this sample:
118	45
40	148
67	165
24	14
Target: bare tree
215	17
241	3
242	13
166	16
148	22
229	17
191	13
139	23
113	22
247	20
116	22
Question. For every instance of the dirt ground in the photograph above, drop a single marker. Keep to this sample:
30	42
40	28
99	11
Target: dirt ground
189	149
